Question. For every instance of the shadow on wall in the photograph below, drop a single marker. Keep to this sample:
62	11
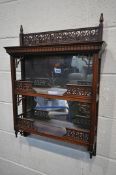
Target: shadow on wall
57	147
103	60
97	164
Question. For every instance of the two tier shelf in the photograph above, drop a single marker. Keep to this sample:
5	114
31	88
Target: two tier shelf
55	84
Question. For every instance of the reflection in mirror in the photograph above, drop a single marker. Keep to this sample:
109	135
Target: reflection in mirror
82	70
53	75
58	71
55	116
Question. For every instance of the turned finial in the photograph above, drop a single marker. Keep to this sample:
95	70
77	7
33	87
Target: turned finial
21	35
101	20
21	29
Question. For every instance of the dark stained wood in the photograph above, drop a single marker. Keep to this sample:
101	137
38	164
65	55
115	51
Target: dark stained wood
63	48
14	96
21	35
95	82
80	35
65	138
64	97
23	78
73	41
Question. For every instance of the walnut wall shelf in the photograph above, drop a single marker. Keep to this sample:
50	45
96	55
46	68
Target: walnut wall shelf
57	94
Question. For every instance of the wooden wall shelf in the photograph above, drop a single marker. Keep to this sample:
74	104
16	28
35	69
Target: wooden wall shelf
59	85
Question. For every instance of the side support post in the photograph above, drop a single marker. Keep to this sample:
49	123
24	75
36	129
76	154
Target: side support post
14	96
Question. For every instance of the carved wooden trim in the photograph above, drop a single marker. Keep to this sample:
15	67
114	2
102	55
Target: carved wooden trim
24	123
79	90
80	35
65	48
62	37
77	135
42	82
23	86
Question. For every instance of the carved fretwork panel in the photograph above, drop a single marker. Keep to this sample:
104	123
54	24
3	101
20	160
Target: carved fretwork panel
23	86
63	36
77	135
42	82
79	90
24	123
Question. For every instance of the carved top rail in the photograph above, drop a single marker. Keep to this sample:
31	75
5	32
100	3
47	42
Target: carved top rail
89	34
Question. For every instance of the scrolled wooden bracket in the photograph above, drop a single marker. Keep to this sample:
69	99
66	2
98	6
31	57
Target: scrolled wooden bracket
17	61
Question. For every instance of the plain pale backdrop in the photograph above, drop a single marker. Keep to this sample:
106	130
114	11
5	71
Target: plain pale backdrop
33	156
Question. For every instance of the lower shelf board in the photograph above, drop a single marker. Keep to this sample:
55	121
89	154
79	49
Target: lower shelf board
61	130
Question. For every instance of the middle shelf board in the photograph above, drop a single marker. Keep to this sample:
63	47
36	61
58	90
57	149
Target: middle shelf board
72	92
54	129
48	96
